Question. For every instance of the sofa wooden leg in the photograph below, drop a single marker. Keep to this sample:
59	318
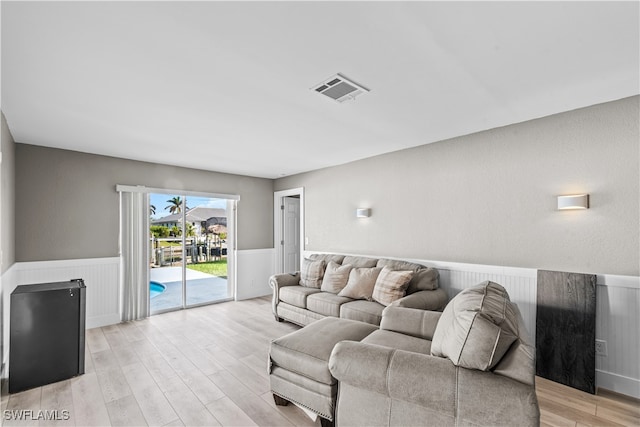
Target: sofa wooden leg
280	401
279	319
326	423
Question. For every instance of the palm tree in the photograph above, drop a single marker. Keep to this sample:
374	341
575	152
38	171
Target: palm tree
152	210
175	205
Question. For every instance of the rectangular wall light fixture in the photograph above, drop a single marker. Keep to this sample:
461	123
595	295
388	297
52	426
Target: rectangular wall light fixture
363	213
574	201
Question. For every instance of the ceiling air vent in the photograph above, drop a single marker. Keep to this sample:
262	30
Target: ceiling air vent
339	88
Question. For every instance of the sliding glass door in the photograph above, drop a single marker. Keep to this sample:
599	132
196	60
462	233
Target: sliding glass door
189	238
207	252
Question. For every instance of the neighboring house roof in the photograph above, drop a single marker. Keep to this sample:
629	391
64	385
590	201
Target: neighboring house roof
202	214
197	214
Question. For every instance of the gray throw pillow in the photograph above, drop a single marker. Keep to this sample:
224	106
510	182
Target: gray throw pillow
391	285
335	277
361	282
311	273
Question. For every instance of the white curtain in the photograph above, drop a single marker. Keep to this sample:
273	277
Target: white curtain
134	255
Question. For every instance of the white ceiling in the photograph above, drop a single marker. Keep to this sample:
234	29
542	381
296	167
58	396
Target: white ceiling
225	86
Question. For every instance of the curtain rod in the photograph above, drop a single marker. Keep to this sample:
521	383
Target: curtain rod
143	189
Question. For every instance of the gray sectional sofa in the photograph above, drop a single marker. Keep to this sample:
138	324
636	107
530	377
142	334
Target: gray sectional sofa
353	287
471	365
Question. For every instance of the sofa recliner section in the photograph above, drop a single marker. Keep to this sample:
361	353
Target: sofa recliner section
392	377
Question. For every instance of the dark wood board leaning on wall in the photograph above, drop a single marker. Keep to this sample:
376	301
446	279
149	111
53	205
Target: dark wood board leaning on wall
566	328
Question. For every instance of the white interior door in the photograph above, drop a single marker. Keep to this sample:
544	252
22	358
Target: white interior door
291	234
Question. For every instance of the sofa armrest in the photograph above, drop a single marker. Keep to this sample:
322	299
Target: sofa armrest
453	395
434	300
278	281
410	321
361	365
417	378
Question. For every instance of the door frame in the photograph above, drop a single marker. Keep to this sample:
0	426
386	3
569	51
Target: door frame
278	231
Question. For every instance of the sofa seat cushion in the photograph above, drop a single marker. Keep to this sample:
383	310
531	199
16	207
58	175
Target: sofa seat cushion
306	351
477	327
297	315
297	295
363	311
399	341
326	303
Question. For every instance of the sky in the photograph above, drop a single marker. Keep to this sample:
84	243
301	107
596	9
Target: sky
160	202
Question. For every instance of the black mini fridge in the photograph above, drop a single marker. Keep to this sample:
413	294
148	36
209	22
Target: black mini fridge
47	333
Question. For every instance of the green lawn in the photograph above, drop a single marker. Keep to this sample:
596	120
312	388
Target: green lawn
217	268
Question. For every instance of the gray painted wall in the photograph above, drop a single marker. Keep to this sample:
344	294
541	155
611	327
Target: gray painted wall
68	205
490	197
7	198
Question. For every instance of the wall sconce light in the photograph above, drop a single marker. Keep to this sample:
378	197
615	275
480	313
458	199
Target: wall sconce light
574	201
363	213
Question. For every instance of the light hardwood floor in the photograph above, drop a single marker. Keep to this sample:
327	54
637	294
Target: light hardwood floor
207	366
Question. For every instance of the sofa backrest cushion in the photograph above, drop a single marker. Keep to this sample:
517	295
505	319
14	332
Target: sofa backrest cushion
477	327
391	285
424	278
311	273
360	261
327	258
395	264
361	282
335	277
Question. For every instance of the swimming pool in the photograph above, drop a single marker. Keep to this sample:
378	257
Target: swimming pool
156	288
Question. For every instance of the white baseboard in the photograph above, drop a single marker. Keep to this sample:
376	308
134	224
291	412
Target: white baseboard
618	383
100	321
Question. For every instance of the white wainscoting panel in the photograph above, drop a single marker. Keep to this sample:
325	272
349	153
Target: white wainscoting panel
7	281
255	266
519	283
618	323
100	275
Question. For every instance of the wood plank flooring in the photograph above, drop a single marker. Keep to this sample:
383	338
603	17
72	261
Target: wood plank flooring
207	366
